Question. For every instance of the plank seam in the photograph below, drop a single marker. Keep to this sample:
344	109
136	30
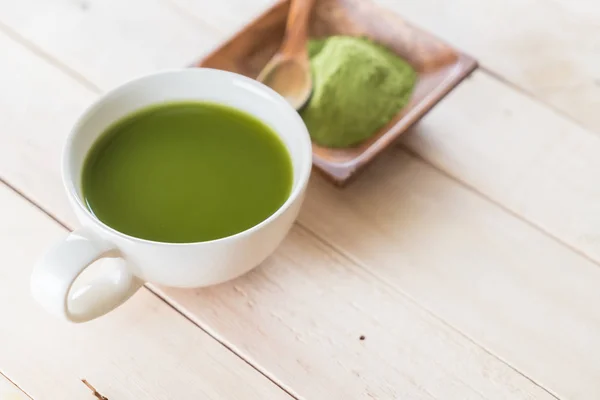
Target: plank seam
81	79
531	96
217	337
2	374
158	294
38	51
341	252
472	189
34	204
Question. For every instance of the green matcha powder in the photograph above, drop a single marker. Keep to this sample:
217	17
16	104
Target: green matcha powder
359	86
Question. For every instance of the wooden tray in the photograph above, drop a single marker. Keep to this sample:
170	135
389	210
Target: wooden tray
440	67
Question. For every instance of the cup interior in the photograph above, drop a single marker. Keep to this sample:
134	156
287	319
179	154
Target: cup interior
200	84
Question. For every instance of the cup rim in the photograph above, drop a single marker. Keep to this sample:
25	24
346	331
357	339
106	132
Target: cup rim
303	172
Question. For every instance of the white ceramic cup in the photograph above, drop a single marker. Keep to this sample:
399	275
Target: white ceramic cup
136	261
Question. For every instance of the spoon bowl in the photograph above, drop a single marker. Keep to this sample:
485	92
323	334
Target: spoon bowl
290	77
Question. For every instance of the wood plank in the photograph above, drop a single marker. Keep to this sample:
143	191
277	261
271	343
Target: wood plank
543	46
471	133
514	123
517	292
524	297
538	165
328	320
336	332
448	310
109	41
8	391
125	355
28	142
521	155
464	153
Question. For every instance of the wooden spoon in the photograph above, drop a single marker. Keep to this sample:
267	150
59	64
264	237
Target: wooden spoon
288	72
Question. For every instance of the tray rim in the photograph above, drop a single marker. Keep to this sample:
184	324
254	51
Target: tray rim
465	64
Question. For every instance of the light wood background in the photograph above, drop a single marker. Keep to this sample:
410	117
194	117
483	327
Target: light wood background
467	256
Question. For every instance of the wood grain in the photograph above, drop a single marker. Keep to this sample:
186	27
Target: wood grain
525	297
549	48
125	356
520	294
468	136
457	359
109	41
282	354
519	154
502	143
28	142
314	306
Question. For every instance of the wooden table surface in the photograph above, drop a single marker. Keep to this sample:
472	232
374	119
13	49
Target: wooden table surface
463	264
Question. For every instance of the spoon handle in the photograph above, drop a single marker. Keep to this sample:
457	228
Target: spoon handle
296	30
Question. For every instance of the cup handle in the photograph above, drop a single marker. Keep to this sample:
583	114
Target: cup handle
55	273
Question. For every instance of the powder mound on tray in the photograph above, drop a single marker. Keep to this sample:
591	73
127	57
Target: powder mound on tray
359	86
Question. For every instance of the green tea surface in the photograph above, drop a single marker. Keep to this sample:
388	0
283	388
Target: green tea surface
186	172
